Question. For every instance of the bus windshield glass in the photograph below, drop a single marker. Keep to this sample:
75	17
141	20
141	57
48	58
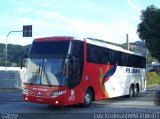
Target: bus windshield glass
46	71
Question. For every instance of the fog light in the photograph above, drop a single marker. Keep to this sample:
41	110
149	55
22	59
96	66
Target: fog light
56	102
26	98
25	91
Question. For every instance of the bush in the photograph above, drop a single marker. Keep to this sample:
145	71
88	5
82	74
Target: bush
153	78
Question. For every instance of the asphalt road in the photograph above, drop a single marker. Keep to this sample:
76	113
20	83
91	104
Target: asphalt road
146	105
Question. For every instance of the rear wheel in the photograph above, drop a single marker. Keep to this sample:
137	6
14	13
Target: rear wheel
136	90
88	98
131	92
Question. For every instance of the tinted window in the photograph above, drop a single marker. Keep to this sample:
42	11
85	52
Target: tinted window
55	48
90	53
100	55
78	53
106	56
78	49
96	54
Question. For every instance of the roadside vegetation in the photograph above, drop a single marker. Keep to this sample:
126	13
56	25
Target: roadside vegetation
15	53
153	78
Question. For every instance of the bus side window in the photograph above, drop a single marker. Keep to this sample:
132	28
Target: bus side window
96	53
129	60
90	52
113	57
118	58
123	59
106	56
126	56
99	55
78	49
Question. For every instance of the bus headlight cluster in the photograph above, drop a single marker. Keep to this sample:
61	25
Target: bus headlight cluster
58	93
25	91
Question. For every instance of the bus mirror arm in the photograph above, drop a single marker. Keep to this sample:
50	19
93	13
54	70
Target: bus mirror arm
22	59
25	56
72	58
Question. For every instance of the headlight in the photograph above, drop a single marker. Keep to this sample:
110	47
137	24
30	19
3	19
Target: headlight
25	91
58	93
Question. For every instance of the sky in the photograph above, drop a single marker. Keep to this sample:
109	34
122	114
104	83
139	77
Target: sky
109	20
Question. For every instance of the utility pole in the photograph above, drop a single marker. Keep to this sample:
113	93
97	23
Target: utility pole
6	55
127	42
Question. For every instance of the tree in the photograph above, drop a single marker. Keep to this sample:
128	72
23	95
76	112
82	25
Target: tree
15	53
149	29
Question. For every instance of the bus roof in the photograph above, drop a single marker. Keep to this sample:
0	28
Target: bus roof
88	40
110	46
53	38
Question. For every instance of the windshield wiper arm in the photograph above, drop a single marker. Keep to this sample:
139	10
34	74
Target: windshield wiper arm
47	77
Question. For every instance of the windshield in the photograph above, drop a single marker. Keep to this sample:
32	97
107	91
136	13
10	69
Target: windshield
46	71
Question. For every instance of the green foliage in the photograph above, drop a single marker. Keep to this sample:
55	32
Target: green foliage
153	78
2	54
15	53
149	29
151	59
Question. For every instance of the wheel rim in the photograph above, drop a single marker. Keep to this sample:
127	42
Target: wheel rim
136	90
131	92
87	98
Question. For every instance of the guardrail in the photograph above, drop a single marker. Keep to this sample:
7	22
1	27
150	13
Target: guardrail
11	79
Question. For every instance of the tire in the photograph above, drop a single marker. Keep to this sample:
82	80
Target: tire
88	98
136	90
131	92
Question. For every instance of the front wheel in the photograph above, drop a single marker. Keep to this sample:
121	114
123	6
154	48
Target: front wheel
88	98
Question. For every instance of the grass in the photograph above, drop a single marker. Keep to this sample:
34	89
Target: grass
153	78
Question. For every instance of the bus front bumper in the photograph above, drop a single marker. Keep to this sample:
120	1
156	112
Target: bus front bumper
58	101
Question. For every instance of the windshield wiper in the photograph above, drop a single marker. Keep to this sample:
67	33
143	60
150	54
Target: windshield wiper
47	77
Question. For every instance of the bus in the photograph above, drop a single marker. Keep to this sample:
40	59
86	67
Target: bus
63	71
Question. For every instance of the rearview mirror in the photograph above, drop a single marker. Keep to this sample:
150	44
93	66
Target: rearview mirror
74	73
22	60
